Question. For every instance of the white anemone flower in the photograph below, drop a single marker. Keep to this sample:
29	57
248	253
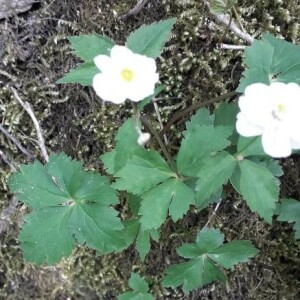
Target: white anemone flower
272	111
124	75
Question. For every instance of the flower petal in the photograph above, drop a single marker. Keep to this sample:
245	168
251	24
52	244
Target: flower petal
103	63
276	142
246	128
105	89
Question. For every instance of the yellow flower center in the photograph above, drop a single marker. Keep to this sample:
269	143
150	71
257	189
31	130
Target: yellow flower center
127	74
279	112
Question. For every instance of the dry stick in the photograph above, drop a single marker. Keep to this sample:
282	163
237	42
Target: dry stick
27	107
231	47
213	213
17	143
233	27
8	161
138	7
195	106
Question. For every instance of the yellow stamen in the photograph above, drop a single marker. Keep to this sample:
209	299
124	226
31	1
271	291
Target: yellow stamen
127	75
281	108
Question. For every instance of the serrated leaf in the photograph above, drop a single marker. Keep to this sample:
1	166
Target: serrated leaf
126	144
62	185
83	74
89	46
202	117
215	172
232	253
45	236
259	188
271	59
207	254
199	144
250	146
149	39
172	195
143	171
140	287
289	211
108	160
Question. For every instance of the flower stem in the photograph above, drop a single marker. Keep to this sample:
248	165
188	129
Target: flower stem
152	130
195	106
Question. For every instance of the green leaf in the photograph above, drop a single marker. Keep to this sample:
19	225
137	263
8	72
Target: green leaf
133	232
140	287
142	172
218	7
202	203
259	188
215	172
232	253
202	117
250	146
67	201
199	144
89	46
83	74
108	160
225	114
149	39
271	59
289	211
126	145
172	195
45	236
207	254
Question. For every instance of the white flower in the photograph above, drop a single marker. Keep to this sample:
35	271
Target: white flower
272	111
124	75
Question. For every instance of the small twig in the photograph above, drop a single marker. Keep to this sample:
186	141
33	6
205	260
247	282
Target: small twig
8	161
232	47
213	213
27	107
138	7
17	143
233	27
160	121
195	106
238	19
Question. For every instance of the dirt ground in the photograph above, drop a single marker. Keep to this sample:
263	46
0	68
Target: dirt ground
34	53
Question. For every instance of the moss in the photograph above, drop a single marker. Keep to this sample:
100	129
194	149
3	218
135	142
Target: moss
37	53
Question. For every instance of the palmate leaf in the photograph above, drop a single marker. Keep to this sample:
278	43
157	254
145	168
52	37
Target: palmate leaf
70	206
133	232
206	255
258	187
143	171
289	211
126	145
149	39
201	117
271	59
198	144
171	196
216	171
140	289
